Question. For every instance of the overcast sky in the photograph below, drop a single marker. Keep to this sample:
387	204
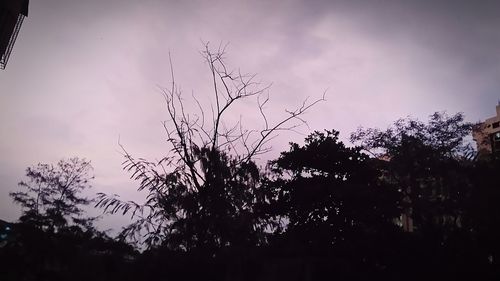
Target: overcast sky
84	73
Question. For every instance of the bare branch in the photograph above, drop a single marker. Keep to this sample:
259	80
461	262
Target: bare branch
207	156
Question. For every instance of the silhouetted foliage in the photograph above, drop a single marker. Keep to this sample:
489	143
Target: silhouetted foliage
202	195
446	135
53	194
422	209
333	206
72	253
433	167
425	162
330	193
54	240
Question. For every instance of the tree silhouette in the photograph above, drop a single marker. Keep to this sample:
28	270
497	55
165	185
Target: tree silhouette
330	193
53	194
202	195
448	196
446	135
54	239
424	161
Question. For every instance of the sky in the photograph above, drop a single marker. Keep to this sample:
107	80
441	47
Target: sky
85	74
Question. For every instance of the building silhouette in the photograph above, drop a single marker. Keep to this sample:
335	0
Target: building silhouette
487	134
12	14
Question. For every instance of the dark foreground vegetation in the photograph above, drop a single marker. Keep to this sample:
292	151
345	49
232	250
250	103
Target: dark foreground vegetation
412	202
423	208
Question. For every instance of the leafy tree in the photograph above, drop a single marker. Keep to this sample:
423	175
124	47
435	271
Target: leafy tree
448	196
52	194
330	193
446	135
55	240
426	163
202	195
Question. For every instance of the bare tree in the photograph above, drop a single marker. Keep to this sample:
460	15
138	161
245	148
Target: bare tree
203	194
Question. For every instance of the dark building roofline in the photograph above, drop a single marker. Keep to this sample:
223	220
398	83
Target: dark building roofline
16	6
12	14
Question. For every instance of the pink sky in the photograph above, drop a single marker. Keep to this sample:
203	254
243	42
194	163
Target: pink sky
84	73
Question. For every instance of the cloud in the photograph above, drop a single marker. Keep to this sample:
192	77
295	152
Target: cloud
85	72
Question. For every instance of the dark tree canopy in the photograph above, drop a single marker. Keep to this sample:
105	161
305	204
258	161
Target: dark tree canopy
52	198
54	240
322	210
181	216
445	135
425	161
330	192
